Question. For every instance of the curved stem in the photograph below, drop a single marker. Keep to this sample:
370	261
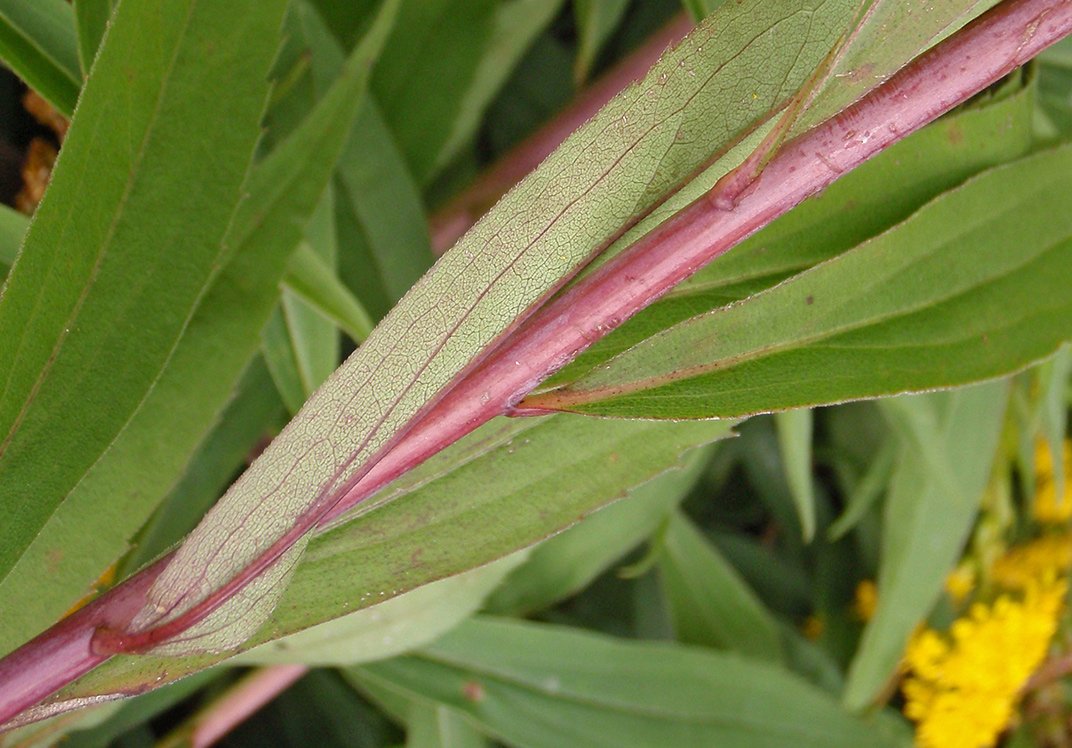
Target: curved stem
1005	37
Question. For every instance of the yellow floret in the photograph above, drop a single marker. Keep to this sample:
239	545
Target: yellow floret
1048	509
962	688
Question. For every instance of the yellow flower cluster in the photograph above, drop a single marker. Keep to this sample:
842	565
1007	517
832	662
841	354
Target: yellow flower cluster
1021	565
962	689
1047	507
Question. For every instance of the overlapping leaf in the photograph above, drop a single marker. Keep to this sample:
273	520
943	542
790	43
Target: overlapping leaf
955	294
472	504
539	685
86	524
37	41
689	106
109	275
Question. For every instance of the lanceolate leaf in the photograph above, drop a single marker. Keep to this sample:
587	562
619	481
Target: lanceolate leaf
312	279
383	236
120	272
547	228
154	441
954	294
948	446
91	20
870	199
37	41
538	685
710	604
475	502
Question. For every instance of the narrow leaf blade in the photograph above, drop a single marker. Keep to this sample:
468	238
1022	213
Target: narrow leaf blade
952	295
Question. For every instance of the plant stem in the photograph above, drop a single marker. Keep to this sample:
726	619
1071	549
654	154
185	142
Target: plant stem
992	46
234	706
983	52
454	219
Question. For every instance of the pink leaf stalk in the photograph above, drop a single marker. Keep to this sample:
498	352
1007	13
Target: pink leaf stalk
975	57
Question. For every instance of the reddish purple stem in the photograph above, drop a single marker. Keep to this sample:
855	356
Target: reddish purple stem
987	49
949	74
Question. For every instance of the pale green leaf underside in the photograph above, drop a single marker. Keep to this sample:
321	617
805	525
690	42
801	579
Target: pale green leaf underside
646	140
149	453
506	486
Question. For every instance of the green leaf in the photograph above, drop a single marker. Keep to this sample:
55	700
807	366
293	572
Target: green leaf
383	233
866	492
91	21
515	25
548	227
301	345
596	20
1055	375
121	273
402	623
37	41
427	68
564	564
794	439
13	227
252	415
438	726
954	294
538	685
315	339
860	205
277	348
310	278
103	510
949	442
471	504
709	603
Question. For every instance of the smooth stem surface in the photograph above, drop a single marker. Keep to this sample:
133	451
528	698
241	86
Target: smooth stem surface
983	52
234	706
